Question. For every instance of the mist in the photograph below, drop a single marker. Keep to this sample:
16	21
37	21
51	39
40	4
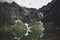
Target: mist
9	1
29	3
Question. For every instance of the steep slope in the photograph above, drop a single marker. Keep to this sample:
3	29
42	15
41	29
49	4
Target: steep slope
52	15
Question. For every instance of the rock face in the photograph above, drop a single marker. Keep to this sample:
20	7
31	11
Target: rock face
8	11
52	14
12	11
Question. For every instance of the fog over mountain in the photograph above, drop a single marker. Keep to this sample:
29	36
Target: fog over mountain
9	1
29	3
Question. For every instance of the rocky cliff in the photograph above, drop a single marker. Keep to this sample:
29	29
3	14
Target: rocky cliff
12	11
